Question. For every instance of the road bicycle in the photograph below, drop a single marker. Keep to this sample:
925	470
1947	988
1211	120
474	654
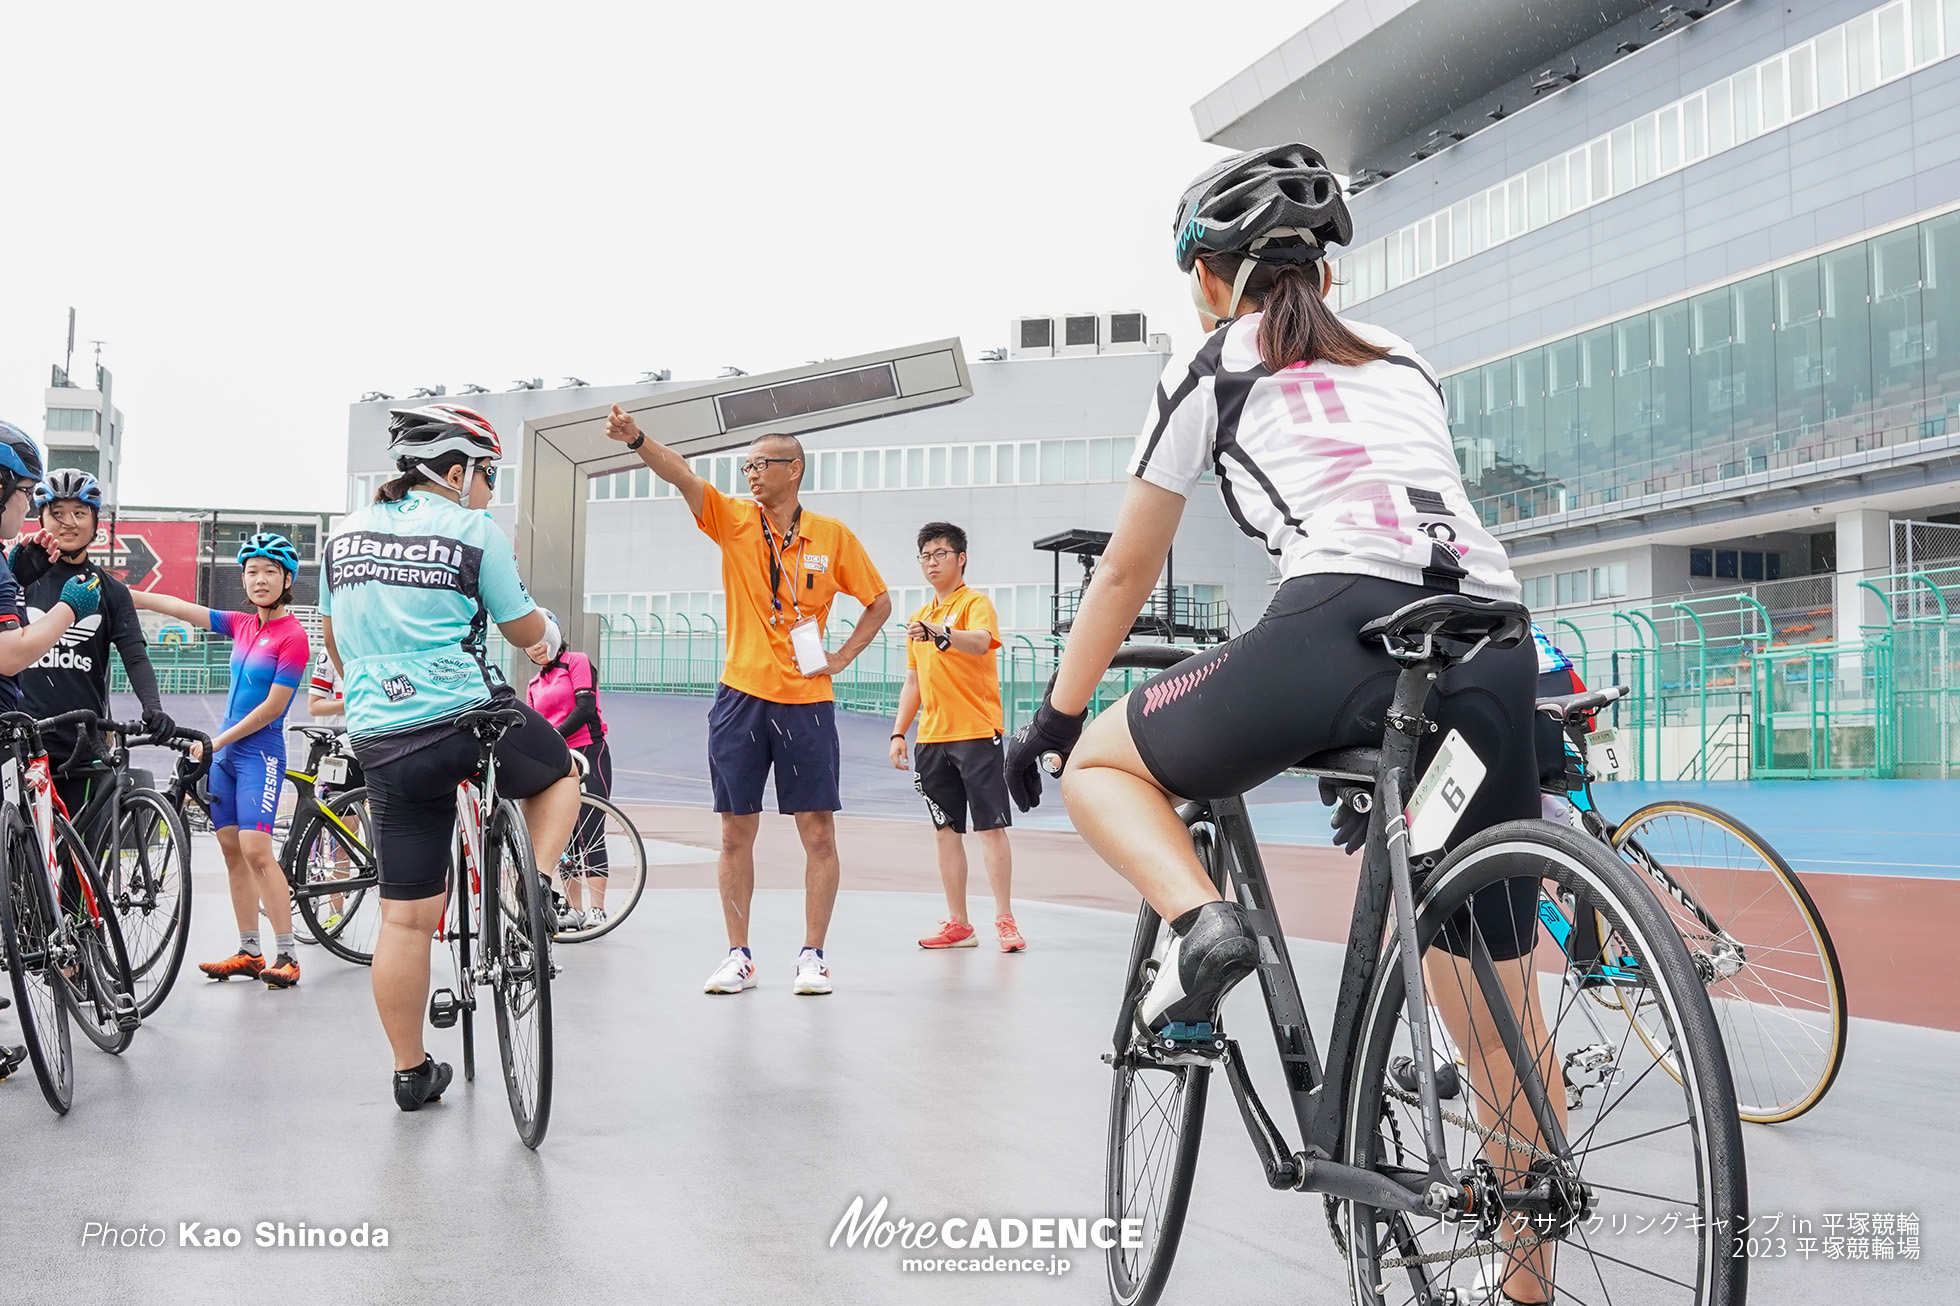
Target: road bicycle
1449	1167
1757	939
606	856
63	951
141	851
498	924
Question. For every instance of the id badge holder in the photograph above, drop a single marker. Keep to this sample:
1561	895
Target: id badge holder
806	642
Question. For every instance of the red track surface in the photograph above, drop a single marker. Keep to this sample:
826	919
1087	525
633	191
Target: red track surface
1894	935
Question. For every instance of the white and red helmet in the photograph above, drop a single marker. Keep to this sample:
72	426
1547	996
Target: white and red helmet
420	435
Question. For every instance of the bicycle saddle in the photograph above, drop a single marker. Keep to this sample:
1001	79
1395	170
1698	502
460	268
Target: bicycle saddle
1567	706
316	732
1452	616
498	718
1362	764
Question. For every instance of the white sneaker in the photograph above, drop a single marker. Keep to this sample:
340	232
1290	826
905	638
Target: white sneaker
735	973
594	917
812	976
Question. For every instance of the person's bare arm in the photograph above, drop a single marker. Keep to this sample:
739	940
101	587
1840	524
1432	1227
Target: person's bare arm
960	641
321	705
258	718
333	649
22	648
525	630
875	614
171	606
666	464
1145	526
908	707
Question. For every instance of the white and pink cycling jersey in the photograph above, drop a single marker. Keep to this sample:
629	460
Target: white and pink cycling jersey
1333	469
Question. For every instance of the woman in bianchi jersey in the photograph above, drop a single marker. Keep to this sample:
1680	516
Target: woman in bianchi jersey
411	584
1331	449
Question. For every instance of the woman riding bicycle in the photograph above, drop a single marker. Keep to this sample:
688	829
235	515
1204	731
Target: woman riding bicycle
248	761
1330	445
566	691
410	585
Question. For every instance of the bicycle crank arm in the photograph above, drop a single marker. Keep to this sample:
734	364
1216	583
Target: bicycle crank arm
1282	1164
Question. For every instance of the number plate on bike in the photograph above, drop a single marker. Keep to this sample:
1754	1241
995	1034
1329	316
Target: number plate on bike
333	770
1603	752
1446	789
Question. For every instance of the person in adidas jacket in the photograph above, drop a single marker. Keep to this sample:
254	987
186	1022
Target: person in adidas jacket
75	672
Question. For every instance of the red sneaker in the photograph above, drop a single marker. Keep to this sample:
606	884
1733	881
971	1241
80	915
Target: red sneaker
952	934
1010	935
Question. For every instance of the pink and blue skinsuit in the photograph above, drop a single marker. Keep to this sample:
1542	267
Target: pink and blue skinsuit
247	773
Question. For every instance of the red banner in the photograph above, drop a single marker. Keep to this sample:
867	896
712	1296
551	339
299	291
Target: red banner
152	555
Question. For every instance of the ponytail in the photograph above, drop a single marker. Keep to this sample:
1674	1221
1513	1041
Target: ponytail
396	490
1295	324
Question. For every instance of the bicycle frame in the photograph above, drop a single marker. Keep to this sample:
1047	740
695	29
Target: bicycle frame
30	787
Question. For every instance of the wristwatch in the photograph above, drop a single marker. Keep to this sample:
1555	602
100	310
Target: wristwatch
637	441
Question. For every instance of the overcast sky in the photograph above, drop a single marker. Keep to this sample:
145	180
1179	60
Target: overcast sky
266	210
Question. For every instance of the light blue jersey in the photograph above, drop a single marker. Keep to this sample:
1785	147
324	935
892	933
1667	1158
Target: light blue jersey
411	588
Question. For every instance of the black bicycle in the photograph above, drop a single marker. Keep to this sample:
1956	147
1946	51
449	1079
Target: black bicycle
1450	1167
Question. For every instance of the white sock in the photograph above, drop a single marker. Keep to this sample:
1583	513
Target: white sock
248	941
287	947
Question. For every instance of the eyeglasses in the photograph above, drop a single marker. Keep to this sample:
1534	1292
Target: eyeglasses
757	466
489	471
938	554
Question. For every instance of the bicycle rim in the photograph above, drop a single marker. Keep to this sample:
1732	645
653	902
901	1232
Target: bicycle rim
147	875
1771	971
606	841
517	945
1645	1201
336	884
24	930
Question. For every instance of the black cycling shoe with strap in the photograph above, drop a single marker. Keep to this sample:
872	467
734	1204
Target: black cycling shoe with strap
415	1089
12	1059
1212	948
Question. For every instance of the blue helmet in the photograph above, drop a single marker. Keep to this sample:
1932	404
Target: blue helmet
19	454
267	545
68	483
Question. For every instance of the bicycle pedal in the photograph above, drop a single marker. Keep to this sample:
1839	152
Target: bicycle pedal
444	1007
1179	1044
127	1016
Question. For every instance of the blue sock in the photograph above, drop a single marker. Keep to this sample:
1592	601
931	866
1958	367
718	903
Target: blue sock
745	952
818	951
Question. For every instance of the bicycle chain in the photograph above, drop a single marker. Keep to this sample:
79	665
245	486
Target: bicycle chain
1461	1253
1464	1122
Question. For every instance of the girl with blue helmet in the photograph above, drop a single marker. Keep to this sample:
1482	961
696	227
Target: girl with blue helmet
268	662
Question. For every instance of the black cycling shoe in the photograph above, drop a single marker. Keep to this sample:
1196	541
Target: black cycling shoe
12	1059
415	1089
1212	948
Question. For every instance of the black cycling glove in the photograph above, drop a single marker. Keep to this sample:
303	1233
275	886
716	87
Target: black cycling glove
1350	826
157	723
1048	732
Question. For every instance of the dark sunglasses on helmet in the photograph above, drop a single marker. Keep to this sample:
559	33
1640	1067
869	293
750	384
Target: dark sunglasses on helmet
489	471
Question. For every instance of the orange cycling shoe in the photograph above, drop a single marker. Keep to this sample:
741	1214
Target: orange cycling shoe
283	974
952	934
241	963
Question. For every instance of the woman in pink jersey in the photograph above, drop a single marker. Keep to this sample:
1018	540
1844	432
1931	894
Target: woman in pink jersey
565	692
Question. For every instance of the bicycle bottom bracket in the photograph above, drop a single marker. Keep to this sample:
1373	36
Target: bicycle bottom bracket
443	1008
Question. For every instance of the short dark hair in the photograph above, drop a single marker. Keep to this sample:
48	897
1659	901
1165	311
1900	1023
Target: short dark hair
942	530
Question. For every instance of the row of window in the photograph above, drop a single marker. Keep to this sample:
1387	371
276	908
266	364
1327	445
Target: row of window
1022	608
362	485
1780	368
1585	585
1848	60
72	419
1735	564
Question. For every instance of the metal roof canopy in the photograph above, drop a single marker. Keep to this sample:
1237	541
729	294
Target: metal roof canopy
564	451
1086	543
1351	86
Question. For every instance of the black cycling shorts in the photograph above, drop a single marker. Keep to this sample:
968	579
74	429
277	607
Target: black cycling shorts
1301	681
412	799
962	775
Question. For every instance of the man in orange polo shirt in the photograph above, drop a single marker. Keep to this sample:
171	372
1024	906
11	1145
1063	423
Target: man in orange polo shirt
780	568
950	670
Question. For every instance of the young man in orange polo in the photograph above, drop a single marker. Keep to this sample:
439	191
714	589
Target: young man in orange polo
950	671
780	568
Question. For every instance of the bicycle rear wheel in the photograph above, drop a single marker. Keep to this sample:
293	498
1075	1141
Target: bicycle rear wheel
335	880
516	945
26	926
1156	1121
1547	1213
1769	964
605	859
98	990
147	872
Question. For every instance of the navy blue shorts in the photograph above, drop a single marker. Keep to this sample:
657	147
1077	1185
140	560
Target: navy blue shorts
748	735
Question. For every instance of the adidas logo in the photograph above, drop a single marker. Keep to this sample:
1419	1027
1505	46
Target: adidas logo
75	635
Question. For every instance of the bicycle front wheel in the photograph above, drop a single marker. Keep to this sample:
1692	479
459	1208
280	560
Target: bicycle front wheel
335	879
147	873
604	868
516	943
1557	1181
26	930
99	991
1759	944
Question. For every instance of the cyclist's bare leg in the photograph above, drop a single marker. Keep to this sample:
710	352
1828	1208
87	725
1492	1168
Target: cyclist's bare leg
401	972
821	872
247	852
735	872
1130	820
999	856
951	847
551	816
1528	1276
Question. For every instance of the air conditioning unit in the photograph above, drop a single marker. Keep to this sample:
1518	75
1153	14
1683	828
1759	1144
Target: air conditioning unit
1080	335
1125	333
1031	337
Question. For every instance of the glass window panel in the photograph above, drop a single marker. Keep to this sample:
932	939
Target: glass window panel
1576	191
1535	201
1746	106
1799	350
936	465
1408	253
1950	22
1803	81
1925	31
847	470
1721	117
1004	464
983	464
1392	261
1633	399
642	483
1860	54
1557	203
1595	454
1754	365
1075	461
1830	66
1646	151
1479	219
601	487
1425	247
1845	286
1776	103
1030	463
622	484
725	474
873	459
827	470
1669	393
959	456
915	468
1516	221
1622	142
1899	343
1460	230
1051	462
1443	242
1102	466
1891	41
1940	303
1123	452
895	468
1669	126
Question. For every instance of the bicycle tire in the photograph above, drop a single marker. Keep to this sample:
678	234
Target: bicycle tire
24	928
152	894
102	980
461	915
345	919
1806	982
622	837
517	944
1651	952
1137	1275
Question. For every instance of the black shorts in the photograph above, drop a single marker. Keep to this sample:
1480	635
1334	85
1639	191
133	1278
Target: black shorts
412	799
1301	681
962	775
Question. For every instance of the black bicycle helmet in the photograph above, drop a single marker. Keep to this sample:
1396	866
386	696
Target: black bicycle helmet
1276	205
418	435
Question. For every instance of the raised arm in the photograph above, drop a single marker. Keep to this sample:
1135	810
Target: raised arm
666	464
171	606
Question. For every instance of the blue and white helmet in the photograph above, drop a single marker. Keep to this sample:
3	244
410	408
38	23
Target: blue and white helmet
265	544
19	455
68	483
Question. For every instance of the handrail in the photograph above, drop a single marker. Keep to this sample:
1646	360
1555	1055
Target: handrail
1884	605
